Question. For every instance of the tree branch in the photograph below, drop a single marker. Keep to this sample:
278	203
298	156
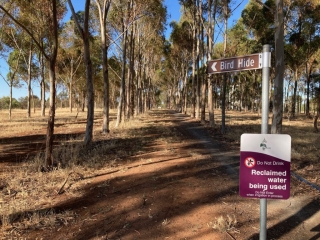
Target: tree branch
25	29
261	3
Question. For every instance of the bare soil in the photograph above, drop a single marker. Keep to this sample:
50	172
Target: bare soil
176	179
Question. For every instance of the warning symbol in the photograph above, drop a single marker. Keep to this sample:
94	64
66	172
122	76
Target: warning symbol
250	162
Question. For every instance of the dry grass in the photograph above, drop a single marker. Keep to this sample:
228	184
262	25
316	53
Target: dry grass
305	142
224	224
25	184
26	200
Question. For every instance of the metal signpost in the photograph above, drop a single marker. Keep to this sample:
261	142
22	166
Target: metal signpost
264	158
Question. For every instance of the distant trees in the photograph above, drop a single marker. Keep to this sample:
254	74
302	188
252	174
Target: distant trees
114	53
5	103
45	37
80	69
275	22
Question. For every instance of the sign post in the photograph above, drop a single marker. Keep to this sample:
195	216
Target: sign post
264	168
266	64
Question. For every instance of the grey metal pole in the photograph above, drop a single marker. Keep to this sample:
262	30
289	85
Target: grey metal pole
266	63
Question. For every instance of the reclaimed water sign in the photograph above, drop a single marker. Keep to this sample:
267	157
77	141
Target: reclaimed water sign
265	166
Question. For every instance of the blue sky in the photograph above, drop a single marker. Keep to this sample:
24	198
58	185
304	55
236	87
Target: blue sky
173	8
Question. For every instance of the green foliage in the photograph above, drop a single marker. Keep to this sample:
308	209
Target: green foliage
23	102
259	20
5	101
181	34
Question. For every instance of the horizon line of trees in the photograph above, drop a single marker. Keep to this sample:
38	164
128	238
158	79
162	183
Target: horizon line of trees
115	52
292	28
109	51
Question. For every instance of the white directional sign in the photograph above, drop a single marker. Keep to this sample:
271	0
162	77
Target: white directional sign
248	62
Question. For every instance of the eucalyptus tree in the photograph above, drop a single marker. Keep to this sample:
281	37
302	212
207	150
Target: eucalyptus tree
84	32
52	11
43	83
132	22
190	10
149	31
70	58
15	38
211	18
302	37
277	110
181	52
198	27
121	12
114	65
316	79
103	7
260	19
202	54
169	72
27	68
10	79
132	29
145	39
311	27
239	44
226	15
10	55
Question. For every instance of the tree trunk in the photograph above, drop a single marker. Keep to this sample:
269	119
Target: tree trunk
198	25
185	89
29	83
42	87
52	77
83	101
50	127
104	52
294	97
70	95
315	121
307	108
122	86
84	32
138	78
223	104
204	84
33	103
276	127
132	72
70	86
210	46
128	90
90	92
194	43
106	97
224	84
10	101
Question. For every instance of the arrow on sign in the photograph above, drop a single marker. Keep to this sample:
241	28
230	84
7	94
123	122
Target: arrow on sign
213	66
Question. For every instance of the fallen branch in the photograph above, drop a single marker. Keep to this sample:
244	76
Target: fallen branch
65	181
230	235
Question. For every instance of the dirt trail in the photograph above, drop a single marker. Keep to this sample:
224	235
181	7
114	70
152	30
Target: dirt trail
177	187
